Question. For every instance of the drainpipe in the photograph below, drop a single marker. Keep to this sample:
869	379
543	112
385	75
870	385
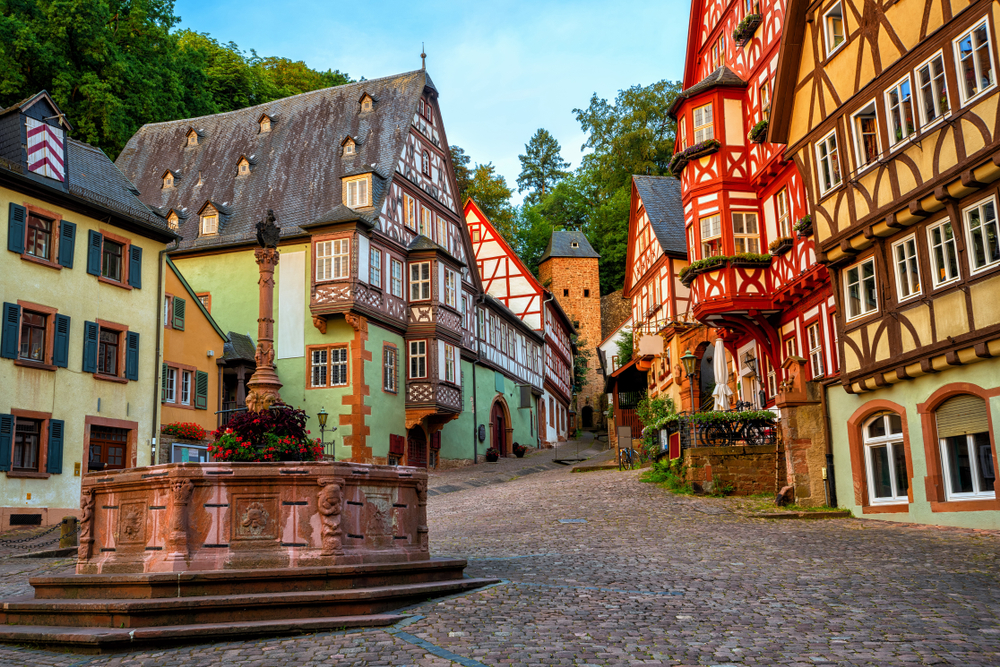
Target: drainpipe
831	487
475	403
156	367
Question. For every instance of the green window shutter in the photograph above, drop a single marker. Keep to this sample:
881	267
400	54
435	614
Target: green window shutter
178	320
132	356
8	335
201	390
15	228
94	241
163	381
55	458
498	381
135	267
6	440
67	243
90	331
60	343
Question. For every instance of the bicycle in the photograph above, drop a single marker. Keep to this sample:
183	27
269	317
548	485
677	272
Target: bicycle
628	459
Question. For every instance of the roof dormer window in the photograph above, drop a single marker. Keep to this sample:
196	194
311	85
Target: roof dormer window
366	103
192	138
243	168
265	124
356	192
349	147
173	221
209	221
168	180
574	244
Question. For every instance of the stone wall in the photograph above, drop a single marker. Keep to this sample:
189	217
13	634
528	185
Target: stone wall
803	432
749	470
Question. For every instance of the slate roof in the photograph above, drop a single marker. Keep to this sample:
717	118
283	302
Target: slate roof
661	197
239	347
299	163
561	245
615	309
720	78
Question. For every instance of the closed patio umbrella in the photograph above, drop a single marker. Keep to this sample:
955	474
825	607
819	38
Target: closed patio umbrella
722	391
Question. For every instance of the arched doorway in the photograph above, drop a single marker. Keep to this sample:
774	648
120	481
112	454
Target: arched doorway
500	425
416	447
706	379
587	416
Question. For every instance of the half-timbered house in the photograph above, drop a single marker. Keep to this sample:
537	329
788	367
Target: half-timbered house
889	110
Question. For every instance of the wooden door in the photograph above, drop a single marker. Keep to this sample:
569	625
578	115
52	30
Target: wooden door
416	448
499	429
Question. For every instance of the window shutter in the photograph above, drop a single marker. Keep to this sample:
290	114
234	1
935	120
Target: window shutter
55	458
60	343
163	381
90	347
498	381
8	337
201	390
436	440
962	415
132	356
94	241
67	243
135	267
15	229
178	319
6	440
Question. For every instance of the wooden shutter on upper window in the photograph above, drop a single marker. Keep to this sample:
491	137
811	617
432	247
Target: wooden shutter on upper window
55	457
201	390
8	336
6	440
962	415
60	342
178	319
132	356
94	241
67	243
15	228
90	331
164	370
135	267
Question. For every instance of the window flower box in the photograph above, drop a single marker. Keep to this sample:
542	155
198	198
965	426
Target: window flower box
750	260
697	267
780	245
758	133
681	159
804	227
746	28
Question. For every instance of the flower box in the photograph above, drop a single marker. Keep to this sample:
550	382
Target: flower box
781	245
746	28
681	159
804	227
758	133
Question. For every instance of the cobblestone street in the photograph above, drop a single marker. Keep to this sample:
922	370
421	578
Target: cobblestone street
649	578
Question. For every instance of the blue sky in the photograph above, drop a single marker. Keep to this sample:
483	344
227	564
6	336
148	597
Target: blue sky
503	69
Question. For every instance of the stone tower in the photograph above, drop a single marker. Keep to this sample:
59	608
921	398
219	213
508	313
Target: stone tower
569	269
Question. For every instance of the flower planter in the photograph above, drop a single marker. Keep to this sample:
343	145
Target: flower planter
781	246
758	133
492	458
744	32
680	160
804	227
519	452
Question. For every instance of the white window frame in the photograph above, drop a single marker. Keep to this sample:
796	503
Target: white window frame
210	224
981	229
706	130
976	67
829	35
339	367
833	156
390	361
450	288
356	193
946	247
333	259
861	287
410	212
890	441
814	340
977	493
420	288
319	364
905	260
783	212
899	87
860	155
713	234
682	131
396	277
417	357
186	377
170	391
936	92
426	220
449	363
375	268
746	237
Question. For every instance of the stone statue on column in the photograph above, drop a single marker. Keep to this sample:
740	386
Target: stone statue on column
264	385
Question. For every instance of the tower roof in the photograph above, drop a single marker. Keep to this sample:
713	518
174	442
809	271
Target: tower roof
568	244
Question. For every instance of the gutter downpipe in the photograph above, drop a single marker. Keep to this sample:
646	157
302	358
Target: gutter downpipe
475	401
831	487
154	437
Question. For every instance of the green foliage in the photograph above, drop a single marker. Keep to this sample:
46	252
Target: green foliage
580	359
720	489
804	223
730	417
655	414
624	345
670	474
490	192
463	175
542	166
700	265
533	233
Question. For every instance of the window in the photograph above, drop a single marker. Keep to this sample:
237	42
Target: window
833	25
209	223
586	293
442	239
107	352
772	382
984	235
328	367
170	386
172	220
425	163
899	111
39	238
860	289
410	211
366	104
111	260
944	255
27	440
185	387
904	254
107	448
449	363
450	292
565	292
420	281
975	61
475	236
333	259
682	128
711	236
703	128
320	366
356	193
765	102
265	124
168	180
866	136
192	138
745	235
206	300
349	148
932	90
963	433
784	219
418	359
828	163
389	363
425	222
815	349
397	278
243	168
791	350
338	366
885	459
33	326
375	267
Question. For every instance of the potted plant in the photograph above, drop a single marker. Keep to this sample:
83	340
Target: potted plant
184	431
780	245
744	31
804	227
277	434
758	133
519	450
492	455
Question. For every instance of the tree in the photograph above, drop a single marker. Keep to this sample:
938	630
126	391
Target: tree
580	362
490	192
624	346
460	162
542	166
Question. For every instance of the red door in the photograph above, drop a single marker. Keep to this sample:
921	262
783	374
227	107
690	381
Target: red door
499	429
416	448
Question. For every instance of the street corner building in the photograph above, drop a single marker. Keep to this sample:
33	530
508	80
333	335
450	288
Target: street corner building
80	334
380	315
892	124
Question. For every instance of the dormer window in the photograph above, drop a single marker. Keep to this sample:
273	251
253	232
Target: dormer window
366	103
168	180
356	192
192	138
574	244
265	124
349	147
173	221
243	168
209	221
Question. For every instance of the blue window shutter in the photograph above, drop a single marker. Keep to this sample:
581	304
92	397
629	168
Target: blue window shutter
201	390
15	228
94	240
135	267
90	347
6	440
11	323
60	343
180	306
67	243
54	463
132	356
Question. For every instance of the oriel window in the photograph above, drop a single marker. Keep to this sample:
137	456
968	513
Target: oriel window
418	359
746	236
703	124
420	281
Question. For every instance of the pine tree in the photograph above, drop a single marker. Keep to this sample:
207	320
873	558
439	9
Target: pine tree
542	166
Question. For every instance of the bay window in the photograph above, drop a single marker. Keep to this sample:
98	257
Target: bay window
420	281
418	359
711	236
703	124
746	237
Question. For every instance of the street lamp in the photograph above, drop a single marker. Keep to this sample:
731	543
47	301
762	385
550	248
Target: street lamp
689	361
321	416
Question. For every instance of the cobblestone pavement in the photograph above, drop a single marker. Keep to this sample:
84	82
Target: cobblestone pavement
651	578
